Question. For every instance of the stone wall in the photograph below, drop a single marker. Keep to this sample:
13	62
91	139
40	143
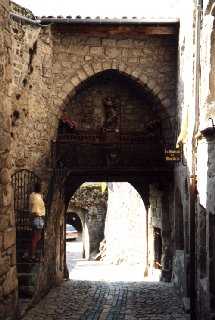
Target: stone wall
125	227
8	276
183	171
196	107
108	92
47	67
149	61
205	171
34	121
90	203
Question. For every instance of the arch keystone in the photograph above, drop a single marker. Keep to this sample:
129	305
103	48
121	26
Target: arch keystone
107	65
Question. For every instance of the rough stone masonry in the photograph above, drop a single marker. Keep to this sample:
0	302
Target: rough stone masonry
41	69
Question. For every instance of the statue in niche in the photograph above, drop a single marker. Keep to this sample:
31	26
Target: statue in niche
112	113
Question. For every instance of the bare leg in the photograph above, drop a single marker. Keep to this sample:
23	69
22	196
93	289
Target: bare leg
36	236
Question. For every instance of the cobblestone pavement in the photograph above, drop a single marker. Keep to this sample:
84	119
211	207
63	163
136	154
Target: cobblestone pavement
89	297
88	300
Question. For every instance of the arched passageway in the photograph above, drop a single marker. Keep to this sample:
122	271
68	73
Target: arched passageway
114	223
114	129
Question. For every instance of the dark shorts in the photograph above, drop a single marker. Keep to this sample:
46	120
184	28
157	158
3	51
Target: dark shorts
38	223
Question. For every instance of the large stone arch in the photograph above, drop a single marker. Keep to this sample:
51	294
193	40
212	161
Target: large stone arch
160	96
135	73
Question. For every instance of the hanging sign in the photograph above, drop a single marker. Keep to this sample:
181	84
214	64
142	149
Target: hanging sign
173	155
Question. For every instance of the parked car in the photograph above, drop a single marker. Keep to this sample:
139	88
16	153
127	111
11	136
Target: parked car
71	232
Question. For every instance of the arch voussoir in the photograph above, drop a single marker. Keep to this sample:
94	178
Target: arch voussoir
133	72
88	68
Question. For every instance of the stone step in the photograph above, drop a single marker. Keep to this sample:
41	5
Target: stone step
27	279
25	267
26	291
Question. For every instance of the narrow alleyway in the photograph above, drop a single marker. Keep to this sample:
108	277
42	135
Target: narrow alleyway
107	300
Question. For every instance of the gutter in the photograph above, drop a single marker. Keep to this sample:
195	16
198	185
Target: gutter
24	19
44	21
107	21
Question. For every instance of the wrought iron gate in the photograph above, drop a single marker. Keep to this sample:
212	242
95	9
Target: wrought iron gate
23	182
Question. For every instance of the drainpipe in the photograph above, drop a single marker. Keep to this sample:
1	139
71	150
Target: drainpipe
193	190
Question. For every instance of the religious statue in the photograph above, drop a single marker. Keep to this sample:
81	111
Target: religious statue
112	112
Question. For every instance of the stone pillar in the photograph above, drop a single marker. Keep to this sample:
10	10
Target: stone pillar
8	276
154	221
167	243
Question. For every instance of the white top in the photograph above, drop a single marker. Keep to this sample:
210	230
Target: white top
36	204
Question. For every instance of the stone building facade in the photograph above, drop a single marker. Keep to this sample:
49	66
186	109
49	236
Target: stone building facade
193	268
55	67
8	275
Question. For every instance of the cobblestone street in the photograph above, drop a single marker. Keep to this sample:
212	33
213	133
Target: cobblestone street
107	300
87	300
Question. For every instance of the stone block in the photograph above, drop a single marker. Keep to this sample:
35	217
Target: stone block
93	41
125	43
87	58
88	69
109	42
97	67
10	283
133	60
82	75
5	176
4	265
7	194
134	53
9	238
107	65
4	222
11	253
98	51
113	52
75	81
67	88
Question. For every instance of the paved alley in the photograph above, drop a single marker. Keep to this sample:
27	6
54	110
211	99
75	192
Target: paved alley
100	291
87	300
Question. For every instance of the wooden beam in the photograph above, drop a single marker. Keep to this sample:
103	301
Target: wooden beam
133	31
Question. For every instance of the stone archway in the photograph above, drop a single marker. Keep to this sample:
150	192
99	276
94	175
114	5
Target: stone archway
132	148
164	104
135	73
81	213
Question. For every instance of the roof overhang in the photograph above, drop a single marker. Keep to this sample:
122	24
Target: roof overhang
151	26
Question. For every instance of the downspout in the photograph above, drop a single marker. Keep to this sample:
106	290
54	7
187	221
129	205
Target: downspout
193	190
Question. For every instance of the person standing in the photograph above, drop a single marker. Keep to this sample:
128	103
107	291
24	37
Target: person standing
37	210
